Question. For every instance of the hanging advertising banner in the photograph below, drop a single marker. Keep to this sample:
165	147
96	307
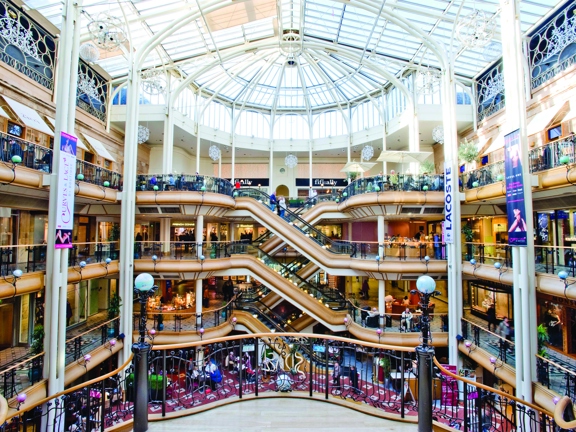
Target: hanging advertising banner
517	235
449	193
66	175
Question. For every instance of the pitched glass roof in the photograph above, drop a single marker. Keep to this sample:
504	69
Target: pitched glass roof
292	54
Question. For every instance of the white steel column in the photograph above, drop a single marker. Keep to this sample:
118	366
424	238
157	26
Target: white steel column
198	150
310	164
271	170
454	250
522	257
381	305
199	235
165	235
57	260
381	233
168	142
128	208
198	302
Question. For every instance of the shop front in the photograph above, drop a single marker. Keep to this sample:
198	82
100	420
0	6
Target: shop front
558	317
483	294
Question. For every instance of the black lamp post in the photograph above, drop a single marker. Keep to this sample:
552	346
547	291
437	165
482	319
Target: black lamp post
145	288
427	287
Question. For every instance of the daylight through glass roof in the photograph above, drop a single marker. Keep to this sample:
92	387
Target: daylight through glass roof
293	55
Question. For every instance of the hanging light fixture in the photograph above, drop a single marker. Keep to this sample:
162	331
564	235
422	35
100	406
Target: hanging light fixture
367	152
291	160
438	134
107	31
214	152
429	80
475	29
89	52
153	82
143	134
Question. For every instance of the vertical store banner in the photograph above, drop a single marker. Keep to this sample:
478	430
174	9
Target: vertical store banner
66	176
449	191
517	235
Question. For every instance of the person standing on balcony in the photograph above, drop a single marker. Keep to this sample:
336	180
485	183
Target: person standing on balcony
282	206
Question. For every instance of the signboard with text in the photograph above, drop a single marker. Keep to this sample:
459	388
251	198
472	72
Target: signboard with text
449	192
322	182
515	207
66	184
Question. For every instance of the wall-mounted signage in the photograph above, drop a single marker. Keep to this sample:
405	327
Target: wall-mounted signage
322	182
252	182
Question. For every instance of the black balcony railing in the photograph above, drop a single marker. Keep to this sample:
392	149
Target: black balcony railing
484	176
94	174
32	155
382	378
552	155
394	182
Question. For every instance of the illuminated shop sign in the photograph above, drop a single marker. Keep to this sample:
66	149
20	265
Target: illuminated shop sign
321	182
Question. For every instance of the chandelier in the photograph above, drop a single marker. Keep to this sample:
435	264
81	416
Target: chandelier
107	32
475	29
291	161
291	43
429	80
438	134
89	52
367	152
143	134
214	152
153	82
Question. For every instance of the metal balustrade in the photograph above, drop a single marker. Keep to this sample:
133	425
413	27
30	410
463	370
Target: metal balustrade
31	155
381	377
496	345
552	155
95	174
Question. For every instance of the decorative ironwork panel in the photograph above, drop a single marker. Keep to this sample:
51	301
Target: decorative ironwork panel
552	49
490	92
92	94
26	46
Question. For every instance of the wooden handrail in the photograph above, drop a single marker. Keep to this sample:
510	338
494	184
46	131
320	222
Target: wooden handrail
92	329
491	389
17	365
564	404
72	389
3	409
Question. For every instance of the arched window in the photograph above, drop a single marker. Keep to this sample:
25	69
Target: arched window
252	123
291	126
329	123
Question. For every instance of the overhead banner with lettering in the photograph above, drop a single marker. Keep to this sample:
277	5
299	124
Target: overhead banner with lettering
66	175
515	207
253	182
449	190
322	182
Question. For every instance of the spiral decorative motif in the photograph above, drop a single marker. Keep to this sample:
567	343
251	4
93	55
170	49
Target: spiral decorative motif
475	29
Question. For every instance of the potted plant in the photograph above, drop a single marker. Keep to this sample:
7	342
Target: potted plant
427	167
469	237
543	338
468	152
155	383
113	311
384	365
36	347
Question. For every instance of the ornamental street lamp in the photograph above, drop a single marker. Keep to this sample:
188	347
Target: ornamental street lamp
144	287
427	287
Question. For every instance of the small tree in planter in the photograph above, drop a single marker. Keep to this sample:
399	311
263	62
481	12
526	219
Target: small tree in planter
113	311
469	237
468	152
427	167
36	347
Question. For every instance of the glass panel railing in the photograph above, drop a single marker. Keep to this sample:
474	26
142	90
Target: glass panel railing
477	336
102	334
486	175
547	259
31	258
29	154
17	377
556	374
184	182
394	182
552	155
94	174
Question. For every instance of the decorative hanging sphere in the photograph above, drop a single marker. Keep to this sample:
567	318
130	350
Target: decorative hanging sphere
291	161
367	152
106	183
214	152
492	51
475	29
155	187
80	176
143	134
89	52
438	134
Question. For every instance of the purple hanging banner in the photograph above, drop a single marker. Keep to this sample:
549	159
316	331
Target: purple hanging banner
66	176
517	235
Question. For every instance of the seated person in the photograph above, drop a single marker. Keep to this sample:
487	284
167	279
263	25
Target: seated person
405	301
373	318
406	320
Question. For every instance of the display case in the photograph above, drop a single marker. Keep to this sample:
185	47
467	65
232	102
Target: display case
485	293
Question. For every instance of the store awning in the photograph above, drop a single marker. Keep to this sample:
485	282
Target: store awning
79	143
99	148
540	121
3	113
28	116
496	143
